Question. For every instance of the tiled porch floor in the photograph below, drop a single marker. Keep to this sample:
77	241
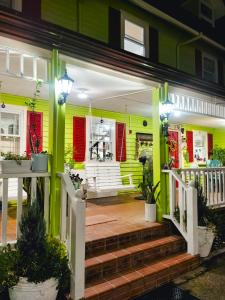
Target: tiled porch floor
122	214
105	217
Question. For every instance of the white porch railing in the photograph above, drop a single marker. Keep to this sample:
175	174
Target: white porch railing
212	181
183	209
72	233
4	191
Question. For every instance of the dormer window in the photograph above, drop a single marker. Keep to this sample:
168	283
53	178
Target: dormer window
206	11
209	68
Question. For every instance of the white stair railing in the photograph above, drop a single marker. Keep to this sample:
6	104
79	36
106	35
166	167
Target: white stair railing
19	197
212	181
183	209
72	233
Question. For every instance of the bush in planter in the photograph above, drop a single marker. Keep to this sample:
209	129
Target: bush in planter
36	256
11	156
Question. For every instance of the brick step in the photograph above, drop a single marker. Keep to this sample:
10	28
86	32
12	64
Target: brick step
124	237
137	282
102	266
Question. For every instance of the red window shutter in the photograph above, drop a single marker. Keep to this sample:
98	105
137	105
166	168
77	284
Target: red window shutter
189	137
121	142
79	138
34	131
174	147
210	145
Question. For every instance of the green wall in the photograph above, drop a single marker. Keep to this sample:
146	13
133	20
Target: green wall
134	123
90	17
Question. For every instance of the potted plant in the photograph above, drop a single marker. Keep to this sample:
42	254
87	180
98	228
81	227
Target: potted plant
219	154
39	158
152	197
37	268
206	226
13	163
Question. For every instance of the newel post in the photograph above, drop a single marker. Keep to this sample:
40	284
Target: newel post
192	221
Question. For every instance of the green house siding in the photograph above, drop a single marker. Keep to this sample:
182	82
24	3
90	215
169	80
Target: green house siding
91	18
63	13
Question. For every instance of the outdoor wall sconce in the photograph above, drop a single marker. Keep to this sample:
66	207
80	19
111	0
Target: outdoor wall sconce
165	111
65	84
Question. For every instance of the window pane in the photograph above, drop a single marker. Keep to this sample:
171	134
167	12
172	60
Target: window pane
3	55
135	32
10	144
28	66
42	69
209	65
9	123
134	47
15	63
206	11
6	3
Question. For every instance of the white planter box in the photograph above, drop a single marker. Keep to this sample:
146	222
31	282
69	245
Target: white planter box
150	212
13	167
25	290
205	240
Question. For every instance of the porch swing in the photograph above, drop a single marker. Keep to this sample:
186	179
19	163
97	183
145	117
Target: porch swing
103	178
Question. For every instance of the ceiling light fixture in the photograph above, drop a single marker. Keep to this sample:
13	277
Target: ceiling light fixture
82	94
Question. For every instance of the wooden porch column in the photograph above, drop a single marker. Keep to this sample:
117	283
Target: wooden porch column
56	141
160	151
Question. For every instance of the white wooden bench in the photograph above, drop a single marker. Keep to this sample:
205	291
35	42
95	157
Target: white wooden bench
104	179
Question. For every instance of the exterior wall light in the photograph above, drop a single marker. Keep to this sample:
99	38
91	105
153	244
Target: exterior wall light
65	84
166	109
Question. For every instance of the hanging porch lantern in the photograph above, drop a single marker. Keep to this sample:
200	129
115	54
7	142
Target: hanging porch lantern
65	84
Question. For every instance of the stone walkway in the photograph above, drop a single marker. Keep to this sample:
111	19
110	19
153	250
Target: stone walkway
211	284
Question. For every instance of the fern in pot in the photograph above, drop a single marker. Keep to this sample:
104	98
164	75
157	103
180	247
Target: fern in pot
39	158
37	268
152	196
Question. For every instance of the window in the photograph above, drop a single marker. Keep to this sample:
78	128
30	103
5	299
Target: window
13	4
101	139
206	11
200	146
134	35
12	130
209	68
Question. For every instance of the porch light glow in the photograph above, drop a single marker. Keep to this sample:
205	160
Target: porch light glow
65	84
166	108
82	94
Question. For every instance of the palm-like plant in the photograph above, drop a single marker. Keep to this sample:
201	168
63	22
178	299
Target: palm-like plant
152	193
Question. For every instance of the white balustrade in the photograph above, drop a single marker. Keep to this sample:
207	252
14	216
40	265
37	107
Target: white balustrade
19	197
212	181
72	233
183	209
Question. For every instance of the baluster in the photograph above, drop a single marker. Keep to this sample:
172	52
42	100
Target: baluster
219	197
46	202
63	222
215	198
212	188
223	186
19	206
33	189
181	206
4	209
208	187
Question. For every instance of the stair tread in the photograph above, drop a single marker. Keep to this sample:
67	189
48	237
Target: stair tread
112	231
112	255
126	281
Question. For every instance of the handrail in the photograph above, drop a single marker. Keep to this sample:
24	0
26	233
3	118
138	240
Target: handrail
183	209
72	233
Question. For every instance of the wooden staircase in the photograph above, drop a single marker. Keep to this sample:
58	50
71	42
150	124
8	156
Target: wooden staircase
126	265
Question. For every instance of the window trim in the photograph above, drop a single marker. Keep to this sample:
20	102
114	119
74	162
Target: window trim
22	111
211	57
202	16
125	16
